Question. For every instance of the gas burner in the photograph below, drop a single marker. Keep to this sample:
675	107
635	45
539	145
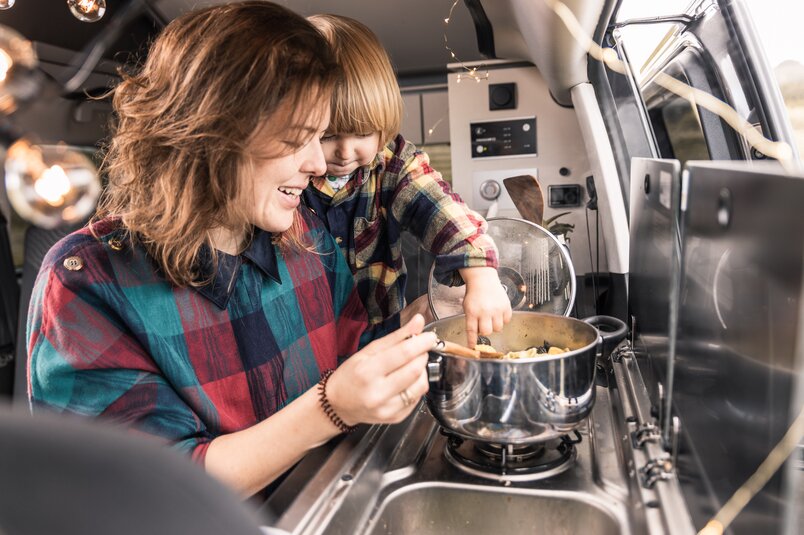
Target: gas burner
502	462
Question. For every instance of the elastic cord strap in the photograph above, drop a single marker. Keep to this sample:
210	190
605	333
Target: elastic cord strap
327	407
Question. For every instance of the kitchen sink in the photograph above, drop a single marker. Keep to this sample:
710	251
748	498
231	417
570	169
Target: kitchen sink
440	509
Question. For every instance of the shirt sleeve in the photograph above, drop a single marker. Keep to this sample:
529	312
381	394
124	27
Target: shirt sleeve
426	205
83	360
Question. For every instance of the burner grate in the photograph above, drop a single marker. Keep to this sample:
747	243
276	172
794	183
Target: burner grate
512	462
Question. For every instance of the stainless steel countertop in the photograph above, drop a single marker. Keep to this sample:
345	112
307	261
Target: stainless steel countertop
396	479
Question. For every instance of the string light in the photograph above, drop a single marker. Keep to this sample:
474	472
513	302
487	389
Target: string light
471	72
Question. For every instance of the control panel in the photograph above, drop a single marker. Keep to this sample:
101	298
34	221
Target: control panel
510	137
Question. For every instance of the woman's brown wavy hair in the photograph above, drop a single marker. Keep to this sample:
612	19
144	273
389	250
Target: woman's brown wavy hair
212	81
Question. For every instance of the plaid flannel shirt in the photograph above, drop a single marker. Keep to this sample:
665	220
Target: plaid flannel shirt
399	191
108	336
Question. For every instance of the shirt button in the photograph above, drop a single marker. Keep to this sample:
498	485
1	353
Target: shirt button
115	244
73	263
338	240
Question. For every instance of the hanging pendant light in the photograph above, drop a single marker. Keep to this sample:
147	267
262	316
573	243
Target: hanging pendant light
87	10
50	185
19	80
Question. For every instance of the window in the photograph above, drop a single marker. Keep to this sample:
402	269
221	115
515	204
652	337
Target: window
710	45
677	127
778	25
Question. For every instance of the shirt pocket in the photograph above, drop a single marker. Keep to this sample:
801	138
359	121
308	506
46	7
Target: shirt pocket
368	235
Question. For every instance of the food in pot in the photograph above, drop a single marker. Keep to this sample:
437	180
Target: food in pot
544	349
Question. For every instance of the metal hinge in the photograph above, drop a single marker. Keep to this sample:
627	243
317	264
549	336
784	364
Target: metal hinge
647	432
622	351
656	470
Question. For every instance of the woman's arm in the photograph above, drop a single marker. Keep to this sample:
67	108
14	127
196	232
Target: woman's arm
83	362
365	389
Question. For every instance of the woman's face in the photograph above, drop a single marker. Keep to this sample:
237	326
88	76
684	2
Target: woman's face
273	190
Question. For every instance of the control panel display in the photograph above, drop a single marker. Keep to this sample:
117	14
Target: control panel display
511	137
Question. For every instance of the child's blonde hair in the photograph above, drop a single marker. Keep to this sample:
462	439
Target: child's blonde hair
368	99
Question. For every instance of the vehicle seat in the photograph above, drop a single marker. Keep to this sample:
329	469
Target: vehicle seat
37	243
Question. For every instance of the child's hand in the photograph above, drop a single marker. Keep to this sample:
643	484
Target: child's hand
486	303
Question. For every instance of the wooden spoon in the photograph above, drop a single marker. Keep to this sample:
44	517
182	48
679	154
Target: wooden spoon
462	351
527	195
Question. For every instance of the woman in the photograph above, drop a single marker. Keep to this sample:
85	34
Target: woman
204	305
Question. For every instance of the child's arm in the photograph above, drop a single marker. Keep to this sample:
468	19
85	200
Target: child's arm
485	304
425	204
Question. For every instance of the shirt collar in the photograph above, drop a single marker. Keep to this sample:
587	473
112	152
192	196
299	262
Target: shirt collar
260	252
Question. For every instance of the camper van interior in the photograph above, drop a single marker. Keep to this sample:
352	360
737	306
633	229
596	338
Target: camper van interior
638	164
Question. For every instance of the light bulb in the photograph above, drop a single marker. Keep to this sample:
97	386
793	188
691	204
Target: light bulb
19	80
87	10
50	185
7	4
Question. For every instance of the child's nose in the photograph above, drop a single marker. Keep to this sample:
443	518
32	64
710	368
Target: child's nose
343	150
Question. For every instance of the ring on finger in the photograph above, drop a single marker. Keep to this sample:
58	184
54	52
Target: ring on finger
405	397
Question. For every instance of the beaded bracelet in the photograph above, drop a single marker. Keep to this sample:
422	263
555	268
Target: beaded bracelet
328	410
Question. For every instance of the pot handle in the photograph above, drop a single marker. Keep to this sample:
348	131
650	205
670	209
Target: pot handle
611	329
434	369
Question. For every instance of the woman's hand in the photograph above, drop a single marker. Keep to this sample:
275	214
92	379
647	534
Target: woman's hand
383	382
485	304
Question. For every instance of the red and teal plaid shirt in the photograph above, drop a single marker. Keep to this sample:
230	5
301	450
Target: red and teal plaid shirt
399	191
108	336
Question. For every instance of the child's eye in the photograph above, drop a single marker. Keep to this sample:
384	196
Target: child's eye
365	135
327	137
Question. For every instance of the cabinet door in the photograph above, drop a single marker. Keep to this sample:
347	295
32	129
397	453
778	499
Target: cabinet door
412	117
435	110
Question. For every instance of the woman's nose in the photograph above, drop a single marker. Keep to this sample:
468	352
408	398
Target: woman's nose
315	163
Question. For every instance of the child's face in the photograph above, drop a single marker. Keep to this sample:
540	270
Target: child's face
346	152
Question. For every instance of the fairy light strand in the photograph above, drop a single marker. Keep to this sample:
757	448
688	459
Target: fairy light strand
471	72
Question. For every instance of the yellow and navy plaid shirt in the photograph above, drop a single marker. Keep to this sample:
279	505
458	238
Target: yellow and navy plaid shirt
399	191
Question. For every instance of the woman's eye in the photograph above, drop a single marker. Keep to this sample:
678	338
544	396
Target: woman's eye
366	135
327	137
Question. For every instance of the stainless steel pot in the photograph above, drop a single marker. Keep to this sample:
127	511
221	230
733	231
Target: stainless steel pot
518	401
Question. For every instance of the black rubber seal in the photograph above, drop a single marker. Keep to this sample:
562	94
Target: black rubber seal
483	30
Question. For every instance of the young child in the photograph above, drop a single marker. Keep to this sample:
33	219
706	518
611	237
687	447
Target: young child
378	185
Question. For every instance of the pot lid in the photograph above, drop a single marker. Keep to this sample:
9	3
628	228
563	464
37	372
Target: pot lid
535	270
